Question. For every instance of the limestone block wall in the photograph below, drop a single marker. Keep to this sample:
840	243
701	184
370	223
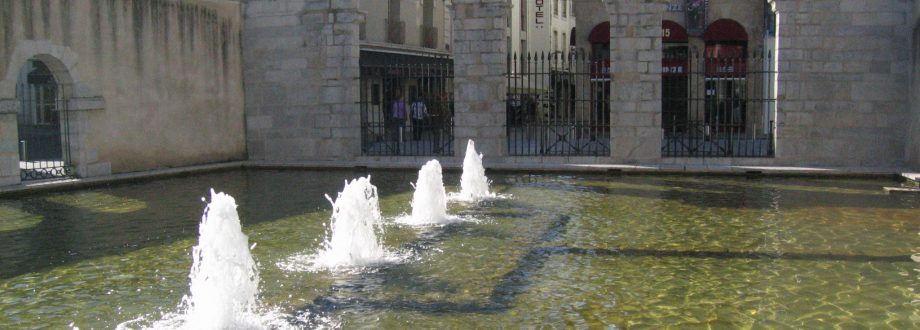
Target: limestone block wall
151	83
301	79
635	64
480	54
912	151
843	82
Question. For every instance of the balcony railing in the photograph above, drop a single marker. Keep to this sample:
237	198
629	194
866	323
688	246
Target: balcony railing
430	37
396	31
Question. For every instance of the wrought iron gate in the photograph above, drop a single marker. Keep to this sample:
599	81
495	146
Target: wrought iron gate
558	104
407	109
44	146
718	106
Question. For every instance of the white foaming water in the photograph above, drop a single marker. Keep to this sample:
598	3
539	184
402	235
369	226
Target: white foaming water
474	185
353	240
223	281
429	202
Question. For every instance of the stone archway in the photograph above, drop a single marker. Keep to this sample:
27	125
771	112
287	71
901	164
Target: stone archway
78	100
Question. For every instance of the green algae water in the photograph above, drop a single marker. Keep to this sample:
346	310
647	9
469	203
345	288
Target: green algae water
582	251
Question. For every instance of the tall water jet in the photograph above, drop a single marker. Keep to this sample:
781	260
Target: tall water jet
474	185
224	279
353	240
429	202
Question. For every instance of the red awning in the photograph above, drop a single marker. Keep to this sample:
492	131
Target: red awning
600	34
673	32
725	30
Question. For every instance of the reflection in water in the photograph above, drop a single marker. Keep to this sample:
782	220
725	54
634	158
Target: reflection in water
568	251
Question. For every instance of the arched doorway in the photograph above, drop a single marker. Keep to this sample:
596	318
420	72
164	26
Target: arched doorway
42	124
726	75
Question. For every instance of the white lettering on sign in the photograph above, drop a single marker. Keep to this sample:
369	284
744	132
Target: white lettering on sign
673	69
665	33
675	7
538	14
727	69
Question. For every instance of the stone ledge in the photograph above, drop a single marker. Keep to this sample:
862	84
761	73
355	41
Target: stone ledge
86	103
453	165
82	183
8	106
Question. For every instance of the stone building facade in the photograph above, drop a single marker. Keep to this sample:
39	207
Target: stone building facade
142	84
153	84
842	87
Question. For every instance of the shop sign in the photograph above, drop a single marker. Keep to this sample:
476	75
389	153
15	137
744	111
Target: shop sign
674	66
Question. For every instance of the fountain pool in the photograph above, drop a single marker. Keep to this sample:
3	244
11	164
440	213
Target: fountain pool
567	251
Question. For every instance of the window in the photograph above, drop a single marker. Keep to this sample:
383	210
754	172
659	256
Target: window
556	7
565	8
510	8
555	40
562	46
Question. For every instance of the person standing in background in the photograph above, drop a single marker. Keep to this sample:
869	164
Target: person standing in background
419	114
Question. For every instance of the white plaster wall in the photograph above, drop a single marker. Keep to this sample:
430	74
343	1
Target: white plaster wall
168	73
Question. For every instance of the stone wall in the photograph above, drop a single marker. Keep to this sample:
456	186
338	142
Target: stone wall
912	150
301	79
635	65
480	55
151	84
842	95
843	82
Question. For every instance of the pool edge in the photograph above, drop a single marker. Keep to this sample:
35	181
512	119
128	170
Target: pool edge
452	166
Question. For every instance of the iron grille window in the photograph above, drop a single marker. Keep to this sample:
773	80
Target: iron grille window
558	104
718	106
407	109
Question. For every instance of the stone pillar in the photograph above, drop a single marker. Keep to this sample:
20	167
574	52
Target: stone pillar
82	113
479	81
9	143
635	60
301	72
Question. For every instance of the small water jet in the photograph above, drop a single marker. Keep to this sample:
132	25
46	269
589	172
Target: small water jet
474	185
353	241
224	279
429	202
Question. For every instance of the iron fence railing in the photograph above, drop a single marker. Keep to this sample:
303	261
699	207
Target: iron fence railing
558	104
407	109
715	106
44	132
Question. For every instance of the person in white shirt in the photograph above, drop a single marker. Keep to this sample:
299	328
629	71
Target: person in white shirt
419	112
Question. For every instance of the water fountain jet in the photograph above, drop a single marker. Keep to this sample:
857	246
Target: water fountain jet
353	241
474	185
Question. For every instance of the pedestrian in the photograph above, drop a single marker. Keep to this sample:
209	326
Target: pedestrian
419	114
398	116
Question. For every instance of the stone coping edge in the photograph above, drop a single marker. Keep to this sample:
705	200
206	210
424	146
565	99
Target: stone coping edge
766	171
29	188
